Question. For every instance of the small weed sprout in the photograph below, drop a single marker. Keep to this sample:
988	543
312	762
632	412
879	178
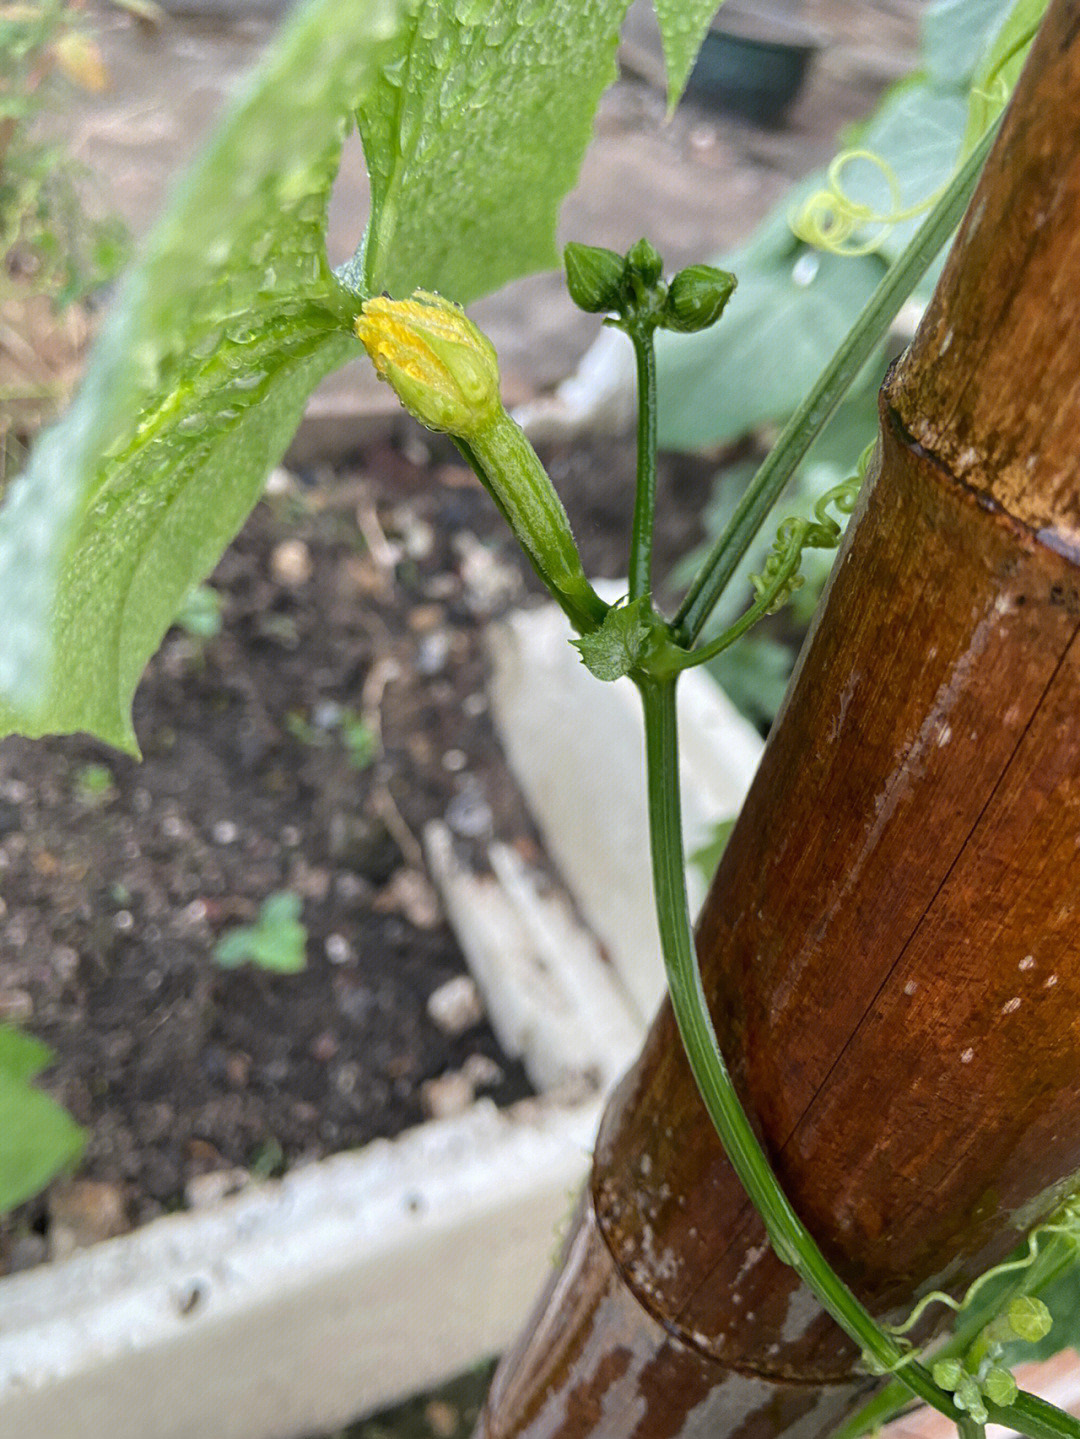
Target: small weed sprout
276	942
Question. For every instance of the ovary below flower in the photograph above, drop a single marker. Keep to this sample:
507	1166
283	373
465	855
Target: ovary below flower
441	367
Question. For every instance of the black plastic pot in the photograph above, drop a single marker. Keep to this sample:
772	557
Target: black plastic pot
753	67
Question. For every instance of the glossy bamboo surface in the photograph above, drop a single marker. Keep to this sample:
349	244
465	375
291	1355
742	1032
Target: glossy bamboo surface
892	943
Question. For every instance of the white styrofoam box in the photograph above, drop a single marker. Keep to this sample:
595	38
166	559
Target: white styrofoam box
298	1304
576	748
550	996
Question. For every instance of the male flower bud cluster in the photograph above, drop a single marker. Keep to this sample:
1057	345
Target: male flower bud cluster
441	367
629	286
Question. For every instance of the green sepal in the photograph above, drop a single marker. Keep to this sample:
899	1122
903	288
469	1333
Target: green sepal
616	647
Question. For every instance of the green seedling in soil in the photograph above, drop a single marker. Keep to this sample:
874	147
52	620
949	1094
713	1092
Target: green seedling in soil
94	783
358	739
276	942
233	316
268	1161
200	614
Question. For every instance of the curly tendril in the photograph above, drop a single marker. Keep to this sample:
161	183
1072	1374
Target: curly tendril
779	576
979	1375
833	219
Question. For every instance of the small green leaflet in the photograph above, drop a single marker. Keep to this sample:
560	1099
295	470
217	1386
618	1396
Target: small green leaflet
37	1137
615	648
194	388
277	941
473	136
683	24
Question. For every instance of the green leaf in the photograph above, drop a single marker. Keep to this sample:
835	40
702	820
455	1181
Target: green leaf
37	1137
683	24
615	648
21	1055
955	33
277	941
194	388
706	858
473	135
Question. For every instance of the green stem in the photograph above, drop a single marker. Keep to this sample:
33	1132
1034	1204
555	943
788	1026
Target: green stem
510	470
810	418
670	659
641	542
790	1238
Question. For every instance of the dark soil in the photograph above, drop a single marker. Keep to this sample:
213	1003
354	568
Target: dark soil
450	1412
352	609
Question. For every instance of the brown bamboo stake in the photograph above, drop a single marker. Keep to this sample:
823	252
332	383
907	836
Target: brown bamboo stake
892	943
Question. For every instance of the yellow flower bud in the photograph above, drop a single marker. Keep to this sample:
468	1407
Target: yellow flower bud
440	366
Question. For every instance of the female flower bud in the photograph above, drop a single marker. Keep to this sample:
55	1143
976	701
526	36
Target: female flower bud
446	374
594	277
440	366
696	298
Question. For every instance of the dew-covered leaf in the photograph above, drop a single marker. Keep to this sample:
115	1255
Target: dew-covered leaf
683	24
194	388
474	134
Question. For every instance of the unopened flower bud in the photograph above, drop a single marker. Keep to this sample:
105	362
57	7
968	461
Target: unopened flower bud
594	277
441	367
644	259
696	298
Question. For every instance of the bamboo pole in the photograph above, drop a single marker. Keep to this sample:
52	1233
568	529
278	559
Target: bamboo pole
891	943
